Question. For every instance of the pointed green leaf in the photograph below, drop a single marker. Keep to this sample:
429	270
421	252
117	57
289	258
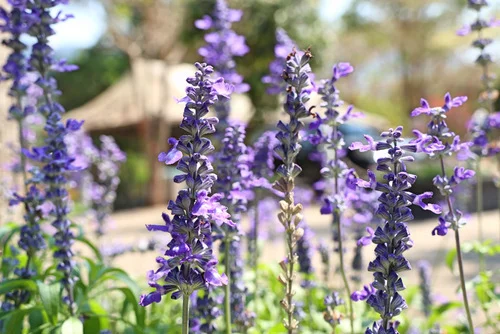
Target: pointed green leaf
72	326
51	299
450	258
15	284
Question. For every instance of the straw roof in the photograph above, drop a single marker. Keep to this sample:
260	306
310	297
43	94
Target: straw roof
148	91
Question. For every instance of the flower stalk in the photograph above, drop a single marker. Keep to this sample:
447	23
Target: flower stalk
440	142
297	79
327	133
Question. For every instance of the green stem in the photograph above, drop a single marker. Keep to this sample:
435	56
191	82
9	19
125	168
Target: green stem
336	219
289	286
185	314
227	287
22	143
459	255
479	210
462	280
344	276
255	240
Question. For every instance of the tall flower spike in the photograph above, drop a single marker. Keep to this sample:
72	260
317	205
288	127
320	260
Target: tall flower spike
262	169
54	155
223	44
328	135
445	144
190	264
331	315
233	181
16	22
296	75
393	239
281	50
304	256
484	126
103	192
424	271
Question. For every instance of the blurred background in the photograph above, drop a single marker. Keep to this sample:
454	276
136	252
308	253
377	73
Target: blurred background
133	57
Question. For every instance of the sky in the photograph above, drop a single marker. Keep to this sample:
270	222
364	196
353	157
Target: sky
89	23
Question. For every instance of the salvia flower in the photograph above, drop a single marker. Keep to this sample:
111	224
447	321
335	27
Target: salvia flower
206	309
57	163
335	170
281	50
297	78
262	159
15	23
261	162
445	143
233	178
424	272
331	315
190	264
223	44
324	252
480	126
393	238
304	256
103	191
448	143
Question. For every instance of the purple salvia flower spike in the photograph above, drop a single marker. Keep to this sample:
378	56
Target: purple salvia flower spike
14	23
296	76
283	46
54	157
223	44
395	201
234	183
328	135
191	264
448	143
483	129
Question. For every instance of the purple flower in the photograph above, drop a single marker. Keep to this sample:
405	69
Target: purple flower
331	302
367	291
366	240
448	143
393	239
283	47
172	156
362	147
296	75
223	44
484	143
190	264
424	271
54	158
304	254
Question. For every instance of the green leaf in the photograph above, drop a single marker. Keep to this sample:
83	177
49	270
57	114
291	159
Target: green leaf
438	312
96	251
72	326
450	258
51	299
14	321
114	274
36	319
16	284
97	317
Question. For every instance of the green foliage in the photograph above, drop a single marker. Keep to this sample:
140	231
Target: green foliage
99	68
107	298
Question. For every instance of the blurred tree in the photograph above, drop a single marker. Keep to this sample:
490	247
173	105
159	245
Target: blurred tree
99	68
408	40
